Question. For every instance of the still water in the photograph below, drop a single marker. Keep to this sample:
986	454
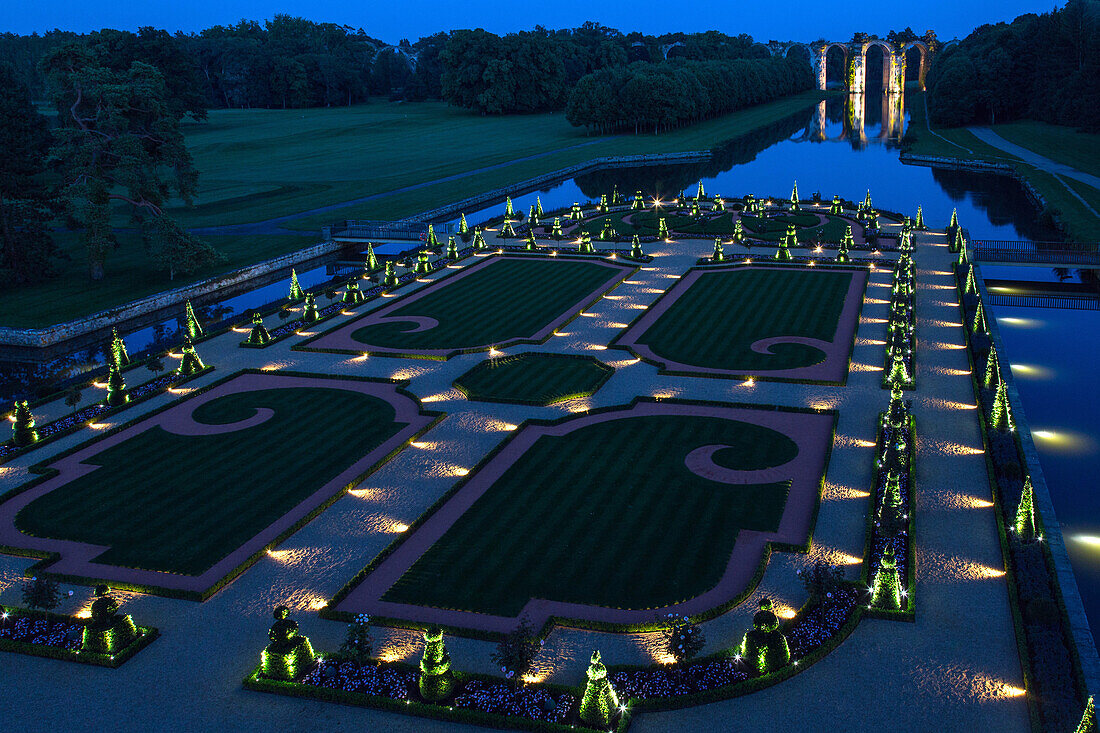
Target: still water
848	146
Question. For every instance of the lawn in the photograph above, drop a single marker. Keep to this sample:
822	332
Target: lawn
608	515
533	378
715	322
509	298
806	227
1080	150
178	504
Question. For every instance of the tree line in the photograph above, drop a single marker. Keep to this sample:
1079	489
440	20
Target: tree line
652	97
1044	67
293	62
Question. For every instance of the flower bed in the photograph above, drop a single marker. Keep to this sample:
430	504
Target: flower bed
81	418
59	637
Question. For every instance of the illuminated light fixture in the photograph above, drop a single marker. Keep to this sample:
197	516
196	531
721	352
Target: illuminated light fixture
361	357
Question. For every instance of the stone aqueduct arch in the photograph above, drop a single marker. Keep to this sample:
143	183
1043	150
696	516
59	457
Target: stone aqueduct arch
855	55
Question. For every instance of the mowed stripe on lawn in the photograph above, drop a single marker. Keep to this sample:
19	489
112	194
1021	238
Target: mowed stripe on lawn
176	503
606	515
715	322
510	298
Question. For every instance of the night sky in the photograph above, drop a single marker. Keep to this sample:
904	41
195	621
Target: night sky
392	21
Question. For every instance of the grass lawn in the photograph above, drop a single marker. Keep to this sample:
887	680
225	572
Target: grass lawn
716	321
508	299
179	504
607	515
1080	150
533	378
129	277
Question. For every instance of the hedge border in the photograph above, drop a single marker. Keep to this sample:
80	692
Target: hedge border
329	612
45	473
146	636
606	371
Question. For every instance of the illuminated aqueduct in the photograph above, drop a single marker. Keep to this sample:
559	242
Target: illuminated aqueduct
855	62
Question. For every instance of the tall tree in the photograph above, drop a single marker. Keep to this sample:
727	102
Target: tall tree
27	252
119	140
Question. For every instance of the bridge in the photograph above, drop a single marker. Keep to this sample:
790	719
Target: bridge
855	61
1080	256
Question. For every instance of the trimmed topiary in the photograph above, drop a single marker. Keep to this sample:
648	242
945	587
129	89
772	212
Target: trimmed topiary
886	586
992	370
1001	415
116	389
463	227
899	373
971	287
919	223
190	363
835	208
389	280
530	244
371	263
695	214
717	255
575	212
607	233
979	325
1024	523
452	249
289	655
107	631
957	243
479	240
764	647
700	194
194	329
533	217
602	206
719	204
509	212
790	239
119	357
431	241
309	310
846	242
352	294
258	336
296	293
507	231
22	428
662	229
954	220
636	248
794	198
1088	719
423	266
738	231
599	702
538	206
436	678
555	231
584	244
637	204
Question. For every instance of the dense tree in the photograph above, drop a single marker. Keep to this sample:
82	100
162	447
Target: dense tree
1044	67
27	252
119	140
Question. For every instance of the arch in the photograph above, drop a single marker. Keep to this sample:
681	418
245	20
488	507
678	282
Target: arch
823	64
890	67
669	46
804	47
925	57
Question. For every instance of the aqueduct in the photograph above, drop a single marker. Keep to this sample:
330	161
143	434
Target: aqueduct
855	62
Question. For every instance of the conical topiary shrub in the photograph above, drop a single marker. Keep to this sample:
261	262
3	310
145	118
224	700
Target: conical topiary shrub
431	241
258	336
479	240
194	329
1024	523
296	293
371	263
436	679
919	224
22	428
599	702
463	227
794	197
1001	415
886	586
116	389
992	370
119	357
529	244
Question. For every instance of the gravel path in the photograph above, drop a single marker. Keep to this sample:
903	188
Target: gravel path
957	666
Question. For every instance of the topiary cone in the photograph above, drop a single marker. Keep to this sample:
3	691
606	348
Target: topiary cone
599	702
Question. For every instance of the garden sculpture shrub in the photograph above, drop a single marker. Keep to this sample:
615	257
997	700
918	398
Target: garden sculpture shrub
599	703
116	389
310	313
886	593
119	357
23	432
389	280
190	363
296	294
107	631
636	248
423	267
764	647
452	248
717	255
194	328
258	336
436	679
289	655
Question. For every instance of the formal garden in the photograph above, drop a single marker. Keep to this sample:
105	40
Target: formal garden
625	420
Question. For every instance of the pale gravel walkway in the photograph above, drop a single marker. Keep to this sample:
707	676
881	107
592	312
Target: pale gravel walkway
940	670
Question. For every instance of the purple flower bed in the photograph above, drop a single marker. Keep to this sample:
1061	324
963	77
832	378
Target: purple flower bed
500	698
60	634
367	680
805	634
91	412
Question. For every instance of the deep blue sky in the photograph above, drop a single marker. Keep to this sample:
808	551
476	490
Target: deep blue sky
392	20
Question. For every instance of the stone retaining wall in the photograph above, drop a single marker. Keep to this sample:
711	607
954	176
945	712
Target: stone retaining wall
40	338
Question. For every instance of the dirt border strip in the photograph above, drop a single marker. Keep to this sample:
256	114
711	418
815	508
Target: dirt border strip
340	341
74	561
833	370
811	431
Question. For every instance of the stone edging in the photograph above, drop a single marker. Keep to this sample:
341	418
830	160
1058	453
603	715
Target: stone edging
1052	530
44	337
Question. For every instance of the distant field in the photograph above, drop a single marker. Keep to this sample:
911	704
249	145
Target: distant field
1081	150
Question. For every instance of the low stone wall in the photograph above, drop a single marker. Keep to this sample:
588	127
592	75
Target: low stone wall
40	338
622	161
